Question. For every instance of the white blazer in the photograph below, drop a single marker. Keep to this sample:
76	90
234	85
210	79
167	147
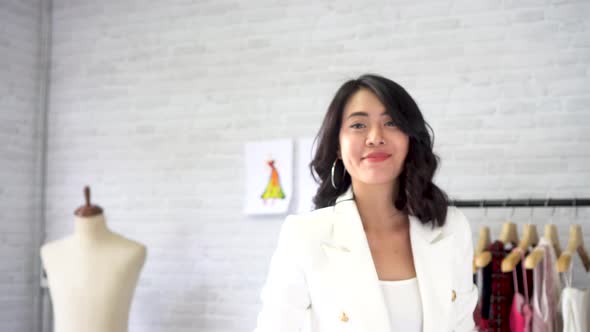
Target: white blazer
323	267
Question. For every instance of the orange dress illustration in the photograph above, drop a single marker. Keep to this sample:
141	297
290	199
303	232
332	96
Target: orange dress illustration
273	189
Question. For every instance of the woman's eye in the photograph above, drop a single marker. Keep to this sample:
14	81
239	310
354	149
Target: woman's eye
390	123
357	126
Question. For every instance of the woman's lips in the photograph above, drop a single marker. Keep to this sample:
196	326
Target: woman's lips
377	157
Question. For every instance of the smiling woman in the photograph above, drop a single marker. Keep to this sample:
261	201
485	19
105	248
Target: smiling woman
380	113
366	126
382	251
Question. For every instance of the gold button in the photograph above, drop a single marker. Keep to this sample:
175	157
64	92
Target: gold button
343	317
454	296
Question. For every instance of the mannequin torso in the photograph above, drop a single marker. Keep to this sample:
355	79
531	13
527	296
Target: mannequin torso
92	277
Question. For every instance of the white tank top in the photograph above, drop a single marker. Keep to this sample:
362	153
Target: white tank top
402	298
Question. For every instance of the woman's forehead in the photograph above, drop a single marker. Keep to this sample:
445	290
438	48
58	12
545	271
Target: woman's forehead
364	101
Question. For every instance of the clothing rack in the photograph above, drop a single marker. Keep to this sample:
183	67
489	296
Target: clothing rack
549	202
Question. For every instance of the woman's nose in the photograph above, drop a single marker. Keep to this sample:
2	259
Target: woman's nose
375	137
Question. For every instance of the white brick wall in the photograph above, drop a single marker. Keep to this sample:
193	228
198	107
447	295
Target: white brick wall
20	163
151	103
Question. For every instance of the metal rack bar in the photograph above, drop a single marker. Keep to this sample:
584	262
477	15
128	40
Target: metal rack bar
549	202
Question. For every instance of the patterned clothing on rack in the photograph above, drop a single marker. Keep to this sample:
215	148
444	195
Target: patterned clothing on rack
497	290
502	290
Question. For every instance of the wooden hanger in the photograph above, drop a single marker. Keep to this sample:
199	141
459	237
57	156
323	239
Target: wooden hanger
509	234
535	257
575	243
483	242
529	238
551	236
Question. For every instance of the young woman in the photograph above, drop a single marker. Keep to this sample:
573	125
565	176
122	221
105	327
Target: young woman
382	251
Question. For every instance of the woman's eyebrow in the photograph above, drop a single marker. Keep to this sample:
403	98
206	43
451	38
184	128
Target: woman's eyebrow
360	113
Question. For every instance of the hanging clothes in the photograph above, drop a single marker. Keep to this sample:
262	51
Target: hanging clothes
546	291
575	306
477	310
502	290
498	292
528	273
520	310
481	314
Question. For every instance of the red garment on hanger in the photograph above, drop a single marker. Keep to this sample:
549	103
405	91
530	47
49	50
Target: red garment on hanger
502	292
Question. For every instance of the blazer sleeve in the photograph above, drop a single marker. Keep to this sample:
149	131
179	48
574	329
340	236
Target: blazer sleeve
285	297
466	291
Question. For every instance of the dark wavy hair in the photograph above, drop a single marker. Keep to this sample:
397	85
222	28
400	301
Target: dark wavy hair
418	195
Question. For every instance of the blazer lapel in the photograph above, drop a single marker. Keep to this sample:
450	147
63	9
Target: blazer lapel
432	261
349	254
350	260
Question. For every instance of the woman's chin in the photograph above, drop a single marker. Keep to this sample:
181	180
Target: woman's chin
377	181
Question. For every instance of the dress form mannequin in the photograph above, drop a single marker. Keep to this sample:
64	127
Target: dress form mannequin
92	274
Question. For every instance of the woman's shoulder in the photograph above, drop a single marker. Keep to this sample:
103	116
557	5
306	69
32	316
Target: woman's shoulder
309	226
456	218
457	223
312	220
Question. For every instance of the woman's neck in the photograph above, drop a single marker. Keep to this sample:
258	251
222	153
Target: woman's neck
90	228
376	208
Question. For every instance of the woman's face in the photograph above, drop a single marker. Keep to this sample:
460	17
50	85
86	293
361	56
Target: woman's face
372	147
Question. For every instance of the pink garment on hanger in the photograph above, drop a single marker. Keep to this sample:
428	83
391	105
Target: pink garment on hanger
520	311
546	291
